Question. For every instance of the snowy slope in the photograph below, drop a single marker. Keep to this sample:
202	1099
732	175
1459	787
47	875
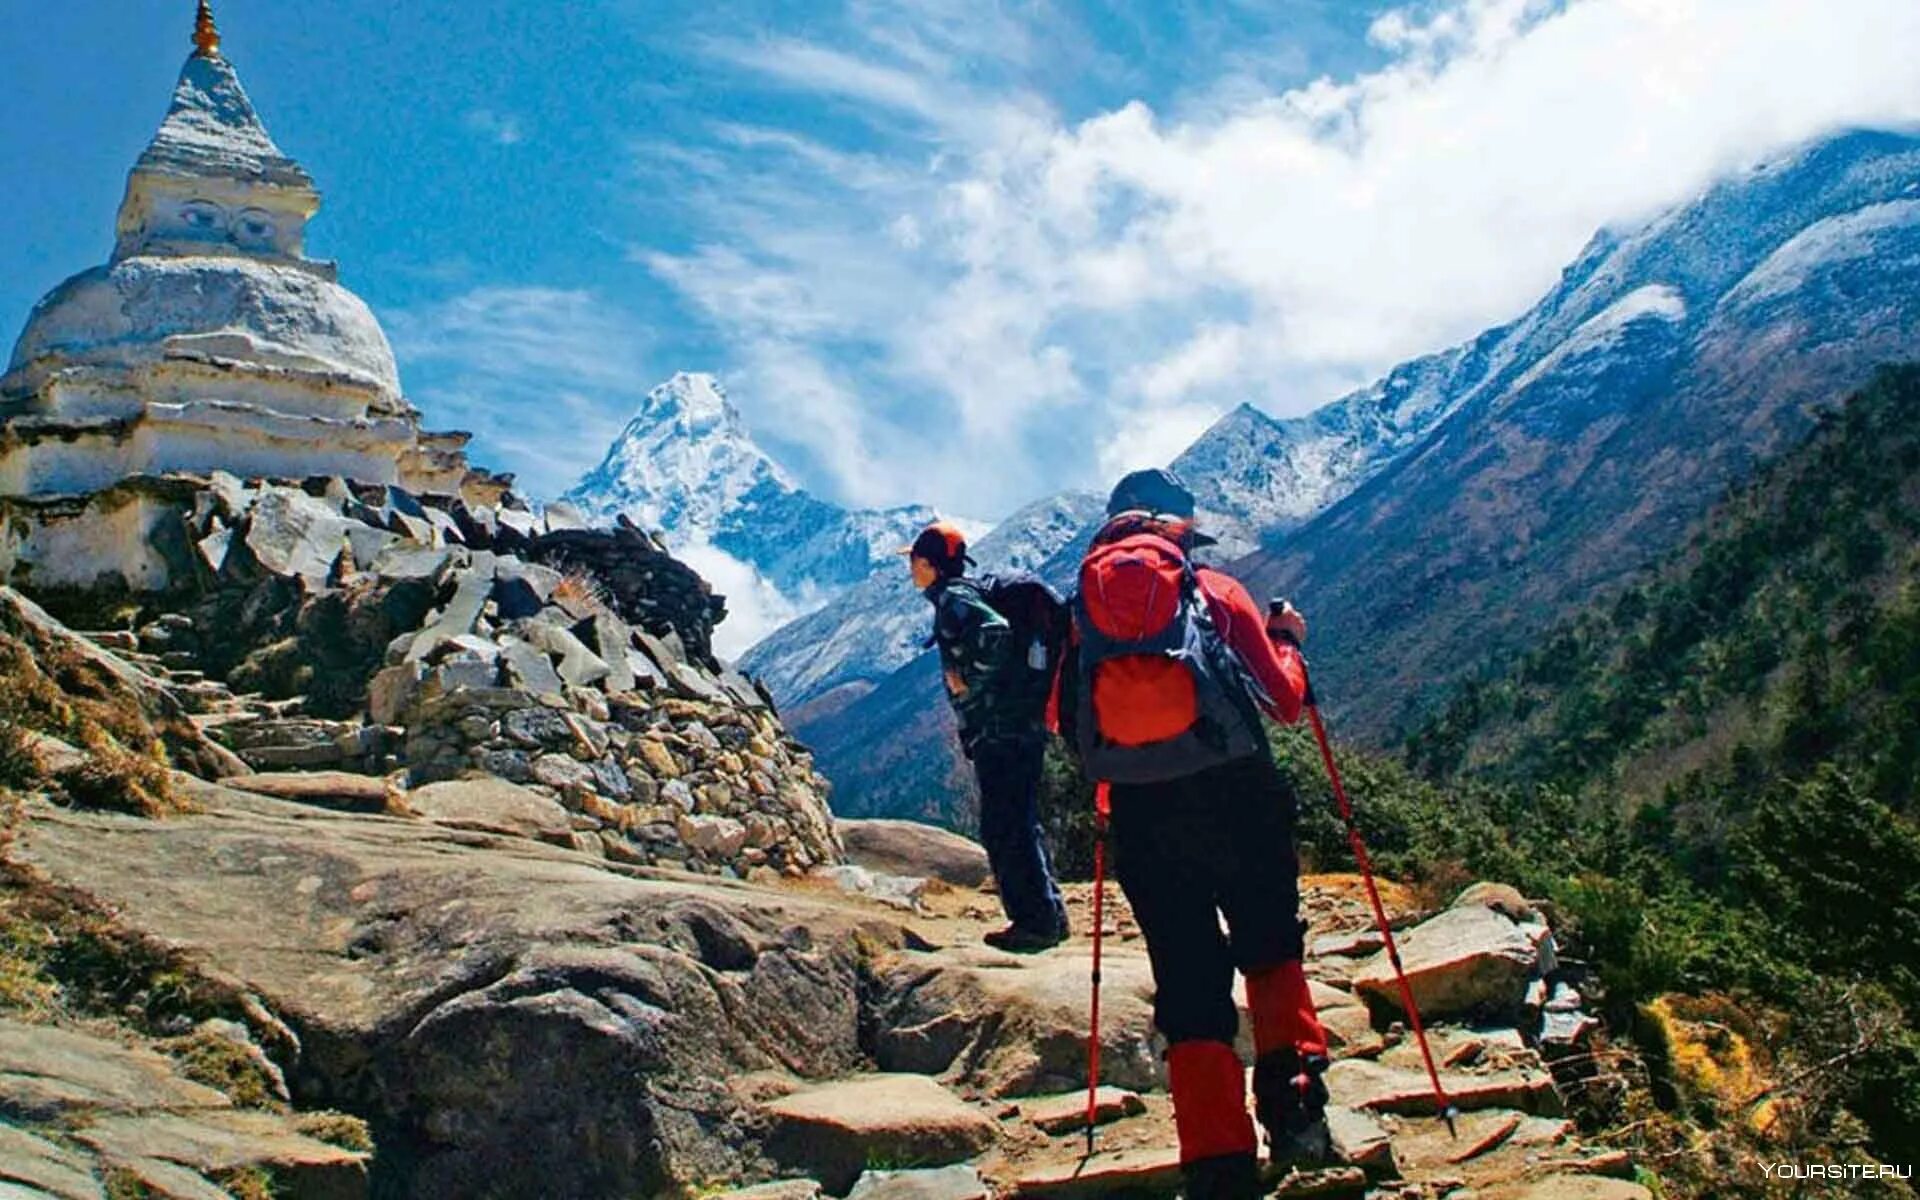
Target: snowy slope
881	624
687	466
1582	439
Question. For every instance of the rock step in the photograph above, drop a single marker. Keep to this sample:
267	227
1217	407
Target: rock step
1568	1187
835	1131
324	789
942	1183
1380	1088
117	641
1326	1184
221	719
113	1108
1148	1172
1067	1113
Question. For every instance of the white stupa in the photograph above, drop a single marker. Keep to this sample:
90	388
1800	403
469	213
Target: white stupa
209	340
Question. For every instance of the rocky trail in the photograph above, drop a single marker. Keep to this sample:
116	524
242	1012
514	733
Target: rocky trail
517	1018
535	988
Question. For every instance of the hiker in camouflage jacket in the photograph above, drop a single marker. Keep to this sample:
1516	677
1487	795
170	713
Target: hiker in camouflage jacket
976	649
1002	730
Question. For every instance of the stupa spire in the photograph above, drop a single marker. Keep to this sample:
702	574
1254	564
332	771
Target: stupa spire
206	35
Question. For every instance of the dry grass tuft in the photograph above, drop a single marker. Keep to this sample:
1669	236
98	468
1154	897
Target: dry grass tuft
580	590
122	1184
225	1066
336	1129
20	763
62	955
116	779
247	1183
57	689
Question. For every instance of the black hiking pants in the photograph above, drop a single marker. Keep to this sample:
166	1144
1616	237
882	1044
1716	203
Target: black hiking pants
1189	850
1008	770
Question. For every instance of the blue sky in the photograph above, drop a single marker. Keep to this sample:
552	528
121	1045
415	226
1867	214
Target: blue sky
918	237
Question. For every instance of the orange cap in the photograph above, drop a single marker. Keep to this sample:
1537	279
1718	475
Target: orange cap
941	544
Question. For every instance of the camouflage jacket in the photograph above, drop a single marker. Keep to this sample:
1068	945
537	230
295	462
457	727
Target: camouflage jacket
976	658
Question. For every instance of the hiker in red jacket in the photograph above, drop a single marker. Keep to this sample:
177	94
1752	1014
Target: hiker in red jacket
1161	694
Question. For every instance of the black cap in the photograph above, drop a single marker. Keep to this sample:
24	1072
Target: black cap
1152	491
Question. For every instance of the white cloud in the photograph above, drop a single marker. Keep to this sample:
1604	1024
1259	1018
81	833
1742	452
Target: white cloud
755	608
1049	296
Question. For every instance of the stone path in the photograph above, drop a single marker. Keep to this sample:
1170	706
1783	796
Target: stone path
1512	1139
940	1068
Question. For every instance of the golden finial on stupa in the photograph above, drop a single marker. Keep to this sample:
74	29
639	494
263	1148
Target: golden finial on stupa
206	36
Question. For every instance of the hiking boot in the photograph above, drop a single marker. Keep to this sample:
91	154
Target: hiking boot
1017	940
1308	1148
1290	1098
1225	1177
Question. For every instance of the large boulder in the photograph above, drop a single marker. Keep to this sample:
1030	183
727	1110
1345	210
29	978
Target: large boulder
492	806
516	1019
1017	1026
913	849
1466	961
290	533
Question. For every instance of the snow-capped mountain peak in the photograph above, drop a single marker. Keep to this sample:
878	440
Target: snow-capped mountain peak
687	466
683	461
695	405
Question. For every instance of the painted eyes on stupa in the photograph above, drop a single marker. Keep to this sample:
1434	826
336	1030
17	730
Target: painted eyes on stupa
252	228
203	215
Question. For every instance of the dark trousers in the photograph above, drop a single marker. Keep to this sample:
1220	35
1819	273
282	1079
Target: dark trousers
1186	851
1009	775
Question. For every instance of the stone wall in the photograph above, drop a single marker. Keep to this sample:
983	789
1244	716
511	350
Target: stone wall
649	778
338	626
184	534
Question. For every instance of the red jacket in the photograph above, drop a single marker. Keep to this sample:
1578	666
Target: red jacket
1243	626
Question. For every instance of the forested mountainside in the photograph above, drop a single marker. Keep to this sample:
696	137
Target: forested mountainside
1713	771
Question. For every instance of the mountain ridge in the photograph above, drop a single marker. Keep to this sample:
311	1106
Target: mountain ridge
1633	409
1574	402
686	465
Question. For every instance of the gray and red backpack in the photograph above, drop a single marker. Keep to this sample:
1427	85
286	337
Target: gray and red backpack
1159	693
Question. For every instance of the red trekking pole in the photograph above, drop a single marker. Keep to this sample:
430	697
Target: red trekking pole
1101	808
1446	1110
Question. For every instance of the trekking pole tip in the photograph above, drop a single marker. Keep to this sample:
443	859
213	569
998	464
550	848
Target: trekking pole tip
1450	1114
